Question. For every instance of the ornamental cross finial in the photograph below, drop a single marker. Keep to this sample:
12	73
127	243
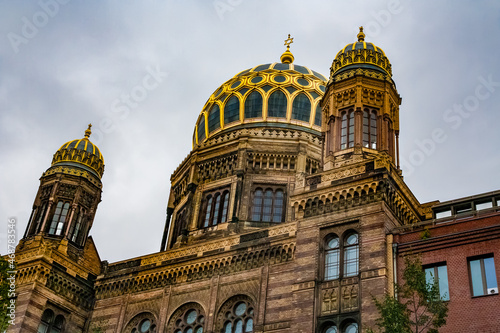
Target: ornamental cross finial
288	41
88	132
361	35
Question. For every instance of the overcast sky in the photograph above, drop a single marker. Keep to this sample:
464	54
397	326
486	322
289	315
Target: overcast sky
69	63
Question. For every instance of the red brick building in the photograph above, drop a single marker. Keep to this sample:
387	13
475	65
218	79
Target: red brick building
461	247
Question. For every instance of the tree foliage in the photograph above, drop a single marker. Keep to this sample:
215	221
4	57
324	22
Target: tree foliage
4	292
419	307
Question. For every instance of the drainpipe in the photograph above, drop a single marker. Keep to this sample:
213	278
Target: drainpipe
395	268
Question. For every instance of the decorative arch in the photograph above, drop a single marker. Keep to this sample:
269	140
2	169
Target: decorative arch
253	105
144	322
236	314
188	318
301	108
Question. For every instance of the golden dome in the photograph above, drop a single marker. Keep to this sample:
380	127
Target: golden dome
280	95
361	54
81	153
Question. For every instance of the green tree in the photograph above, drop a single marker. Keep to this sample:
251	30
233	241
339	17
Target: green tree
419	307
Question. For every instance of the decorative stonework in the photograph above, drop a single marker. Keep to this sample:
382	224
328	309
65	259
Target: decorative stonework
349	300
329	301
346	172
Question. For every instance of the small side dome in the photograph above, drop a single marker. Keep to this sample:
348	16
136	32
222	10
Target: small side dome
361	55
81	153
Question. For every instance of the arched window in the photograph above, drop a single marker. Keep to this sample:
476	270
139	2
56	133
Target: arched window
253	105
276	105
331	329
301	108
351	255
268	205
59	218
201	129
214	118
332	259
370	129
232	110
76	225
317	116
236	316
215	208
51	323
142	323
189	318
339	251
40	217
347	130
351	328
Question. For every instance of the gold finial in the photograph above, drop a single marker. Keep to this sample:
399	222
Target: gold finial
361	35
287	56
288	41
88	131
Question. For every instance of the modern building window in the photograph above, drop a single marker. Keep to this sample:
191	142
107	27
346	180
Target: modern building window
253	105
317	116
483	276
51	323
438	273
239	318
59	218
347	129
214	118
276	105
337	252
215	208
232	110
332	259
370	129
351	255
301	108
268	205
201	129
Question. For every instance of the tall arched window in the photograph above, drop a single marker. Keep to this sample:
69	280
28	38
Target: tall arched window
253	105
347	130
51	323
232	110
339	251
214	118
276	105
76	225
201	129
59	218
215	208
268	205
301	108
370	129
317	116
332	258
351	255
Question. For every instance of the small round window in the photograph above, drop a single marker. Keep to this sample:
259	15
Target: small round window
256	79
303	82
279	78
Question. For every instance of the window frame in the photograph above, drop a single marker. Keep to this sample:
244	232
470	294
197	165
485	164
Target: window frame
211	213
445	296
269	210
483	273
347	129
50	323
57	226
342	255
370	128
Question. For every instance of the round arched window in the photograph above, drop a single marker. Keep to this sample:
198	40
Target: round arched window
189	318
331	329
239	319
351	328
142	323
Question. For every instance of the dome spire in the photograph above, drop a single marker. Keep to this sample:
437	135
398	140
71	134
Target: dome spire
287	56
88	132
361	35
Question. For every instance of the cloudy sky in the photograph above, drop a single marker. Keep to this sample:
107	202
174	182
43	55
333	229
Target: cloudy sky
64	64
